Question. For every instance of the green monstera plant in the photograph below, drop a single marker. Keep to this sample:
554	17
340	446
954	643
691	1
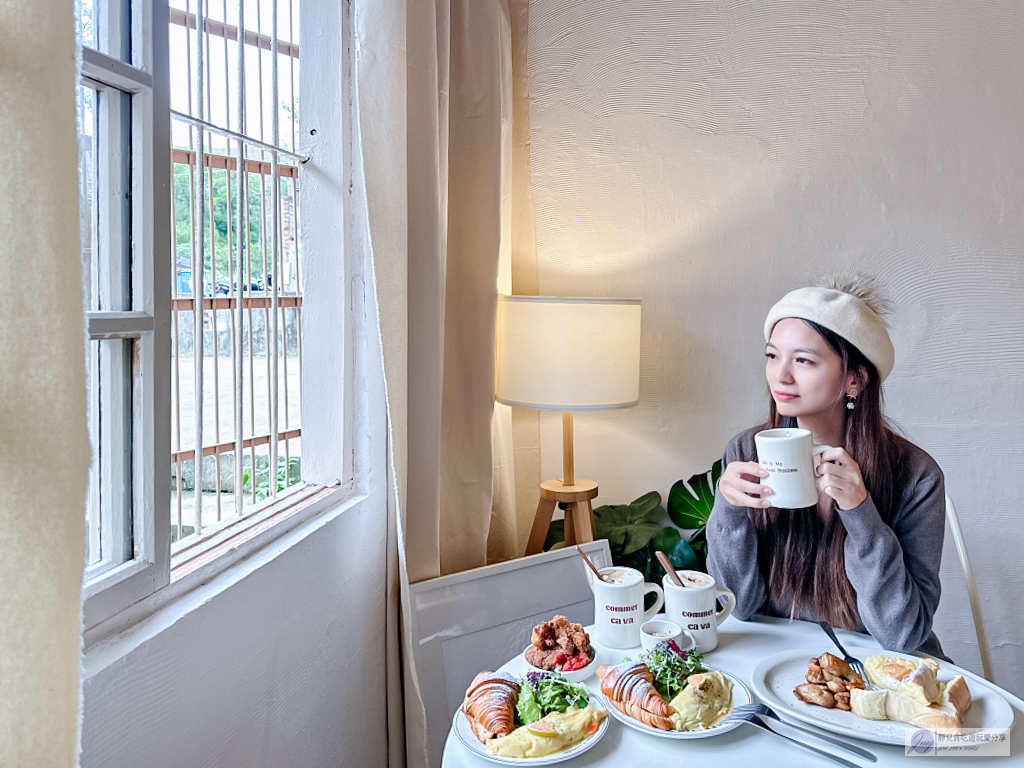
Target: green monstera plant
689	506
635	533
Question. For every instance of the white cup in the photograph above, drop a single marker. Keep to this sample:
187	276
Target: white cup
788	457
619	606
658	631
695	606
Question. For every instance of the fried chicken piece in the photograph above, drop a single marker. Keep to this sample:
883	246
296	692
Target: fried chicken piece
815	674
829	680
830	676
815	694
835	665
833	670
555	639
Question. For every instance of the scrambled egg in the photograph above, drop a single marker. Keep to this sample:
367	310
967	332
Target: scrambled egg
564	729
703	702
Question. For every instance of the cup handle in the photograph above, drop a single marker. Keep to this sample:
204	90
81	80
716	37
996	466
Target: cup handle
730	603
691	641
649	587
817	450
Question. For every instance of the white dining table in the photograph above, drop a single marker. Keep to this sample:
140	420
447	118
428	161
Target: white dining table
742	645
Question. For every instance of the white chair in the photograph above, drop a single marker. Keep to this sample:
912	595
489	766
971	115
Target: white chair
953	520
479	619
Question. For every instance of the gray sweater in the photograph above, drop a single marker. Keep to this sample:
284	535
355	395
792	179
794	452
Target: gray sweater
895	571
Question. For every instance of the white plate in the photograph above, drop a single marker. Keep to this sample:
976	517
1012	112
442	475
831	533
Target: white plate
775	677
464	733
740	696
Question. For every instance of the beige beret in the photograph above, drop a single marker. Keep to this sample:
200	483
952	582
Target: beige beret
841	313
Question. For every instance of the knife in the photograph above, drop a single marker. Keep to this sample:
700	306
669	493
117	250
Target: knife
860	752
835	758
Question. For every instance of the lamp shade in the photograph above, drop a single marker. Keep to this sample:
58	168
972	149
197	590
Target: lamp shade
558	353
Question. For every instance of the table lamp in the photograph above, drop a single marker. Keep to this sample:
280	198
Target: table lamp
561	353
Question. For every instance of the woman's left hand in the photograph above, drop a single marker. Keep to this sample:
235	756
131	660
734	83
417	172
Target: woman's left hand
839	477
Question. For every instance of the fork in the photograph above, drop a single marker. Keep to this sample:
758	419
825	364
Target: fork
855	664
762	710
751	719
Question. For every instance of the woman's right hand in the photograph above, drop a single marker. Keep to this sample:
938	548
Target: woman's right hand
739	488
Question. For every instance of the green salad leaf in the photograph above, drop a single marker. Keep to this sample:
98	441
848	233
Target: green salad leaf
671	669
528	708
541	693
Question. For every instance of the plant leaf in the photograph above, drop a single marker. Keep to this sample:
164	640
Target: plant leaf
690	502
683	557
666	539
639	536
626	525
556	533
646	504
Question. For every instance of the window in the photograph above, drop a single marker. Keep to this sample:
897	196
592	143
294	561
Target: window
124	238
191	185
243	377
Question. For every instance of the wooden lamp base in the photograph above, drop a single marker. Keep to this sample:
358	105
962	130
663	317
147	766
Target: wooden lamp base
579	517
575	494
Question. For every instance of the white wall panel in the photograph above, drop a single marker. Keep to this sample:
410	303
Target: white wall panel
708	157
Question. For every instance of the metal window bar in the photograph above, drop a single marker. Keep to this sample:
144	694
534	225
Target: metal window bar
198	284
241	165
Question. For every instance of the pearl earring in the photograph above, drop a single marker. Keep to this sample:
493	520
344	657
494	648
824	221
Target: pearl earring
849	402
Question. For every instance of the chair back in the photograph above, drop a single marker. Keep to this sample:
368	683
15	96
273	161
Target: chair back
479	619
953	520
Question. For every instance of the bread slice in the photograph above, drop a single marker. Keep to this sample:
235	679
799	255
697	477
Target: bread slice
945	716
916	679
869	704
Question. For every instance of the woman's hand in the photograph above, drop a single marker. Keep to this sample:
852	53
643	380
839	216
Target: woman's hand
839	477
738	485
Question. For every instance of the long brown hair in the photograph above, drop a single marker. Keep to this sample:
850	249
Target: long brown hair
800	552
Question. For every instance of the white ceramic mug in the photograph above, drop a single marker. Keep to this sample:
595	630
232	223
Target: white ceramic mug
788	456
619	606
695	606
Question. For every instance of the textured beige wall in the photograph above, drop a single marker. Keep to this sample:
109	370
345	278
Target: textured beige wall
708	157
44	448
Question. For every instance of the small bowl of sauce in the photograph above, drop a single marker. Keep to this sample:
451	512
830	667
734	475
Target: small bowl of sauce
659	630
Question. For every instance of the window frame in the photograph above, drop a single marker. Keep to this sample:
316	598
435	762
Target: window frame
147	322
333	476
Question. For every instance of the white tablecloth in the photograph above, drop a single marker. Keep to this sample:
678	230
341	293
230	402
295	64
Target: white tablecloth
741	646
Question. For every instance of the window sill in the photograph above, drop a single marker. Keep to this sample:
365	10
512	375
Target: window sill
246	532
235	544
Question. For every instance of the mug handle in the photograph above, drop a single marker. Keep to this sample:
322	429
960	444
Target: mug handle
819	449
691	641
649	587
730	603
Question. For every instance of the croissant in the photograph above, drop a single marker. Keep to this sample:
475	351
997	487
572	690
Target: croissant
630	689
490	704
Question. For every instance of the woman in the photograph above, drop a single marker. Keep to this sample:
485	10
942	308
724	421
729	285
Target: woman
867	559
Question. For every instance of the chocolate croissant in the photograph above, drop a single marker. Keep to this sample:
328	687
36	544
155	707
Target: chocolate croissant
629	687
490	704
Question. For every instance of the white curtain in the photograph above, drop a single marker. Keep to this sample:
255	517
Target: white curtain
459	513
44	444
434	104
